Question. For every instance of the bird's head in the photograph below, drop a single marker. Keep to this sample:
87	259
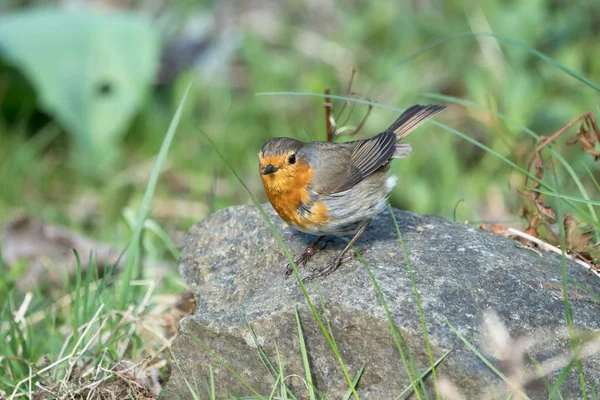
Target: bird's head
283	165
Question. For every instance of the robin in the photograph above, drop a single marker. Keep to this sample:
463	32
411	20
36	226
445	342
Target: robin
325	188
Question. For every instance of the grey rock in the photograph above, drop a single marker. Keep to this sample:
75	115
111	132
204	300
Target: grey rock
234	265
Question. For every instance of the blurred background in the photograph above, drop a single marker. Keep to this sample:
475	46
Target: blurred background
88	89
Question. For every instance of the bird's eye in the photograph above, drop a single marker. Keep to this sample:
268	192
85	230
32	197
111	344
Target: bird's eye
292	159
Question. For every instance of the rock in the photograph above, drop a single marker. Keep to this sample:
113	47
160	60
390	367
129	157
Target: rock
233	264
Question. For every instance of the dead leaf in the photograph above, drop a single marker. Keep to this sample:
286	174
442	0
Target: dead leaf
494	228
536	197
186	302
586	138
534	223
539	169
184	305
543	208
578	240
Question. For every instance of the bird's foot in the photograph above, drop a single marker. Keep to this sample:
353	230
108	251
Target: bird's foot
310	251
331	267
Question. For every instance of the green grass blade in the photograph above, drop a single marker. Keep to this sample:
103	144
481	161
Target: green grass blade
225	365
190	388
277	379
213	393
408	389
355	382
482	358
265	358
325	314
408	362
281	376
261	352
417	299
77	299
566	197
567	305
307	373
542	375
15	337
592	176
134	248
555	392
512	42
91	270
158	230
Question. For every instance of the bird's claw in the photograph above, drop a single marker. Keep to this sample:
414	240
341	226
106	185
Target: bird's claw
304	257
331	267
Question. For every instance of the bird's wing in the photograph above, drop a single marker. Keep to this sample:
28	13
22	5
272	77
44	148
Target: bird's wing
361	158
368	156
371	154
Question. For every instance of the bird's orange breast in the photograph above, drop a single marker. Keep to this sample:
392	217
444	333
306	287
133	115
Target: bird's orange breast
287	191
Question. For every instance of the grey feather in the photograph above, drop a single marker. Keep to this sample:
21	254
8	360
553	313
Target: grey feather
402	150
350	209
412	118
368	156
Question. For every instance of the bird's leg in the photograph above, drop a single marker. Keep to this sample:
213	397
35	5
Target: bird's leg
340	258
310	251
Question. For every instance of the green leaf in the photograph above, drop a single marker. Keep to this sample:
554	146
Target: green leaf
90	70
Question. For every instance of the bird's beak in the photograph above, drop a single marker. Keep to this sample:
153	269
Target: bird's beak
269	169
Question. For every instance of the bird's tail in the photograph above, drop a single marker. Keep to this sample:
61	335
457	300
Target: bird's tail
410	120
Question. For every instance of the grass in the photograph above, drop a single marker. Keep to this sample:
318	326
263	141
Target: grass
417	299
134	246
575	343
510	42
101	314
92	314
410	367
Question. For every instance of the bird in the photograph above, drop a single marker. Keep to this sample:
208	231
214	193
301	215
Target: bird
335	189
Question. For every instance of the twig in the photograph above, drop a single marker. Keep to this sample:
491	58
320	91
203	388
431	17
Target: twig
72	361
328	106
348	93
548	247
38	373
562	130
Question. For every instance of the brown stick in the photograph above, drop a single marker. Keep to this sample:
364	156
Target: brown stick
586	116
348	93
360	126
328	106
548	140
